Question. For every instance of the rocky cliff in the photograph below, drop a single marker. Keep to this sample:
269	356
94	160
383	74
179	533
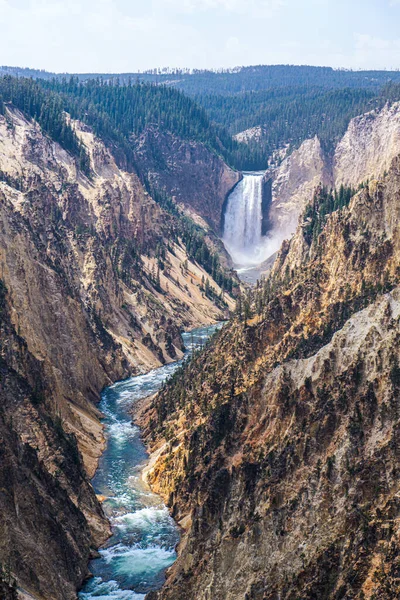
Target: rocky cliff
368	147
293	183
365	151
254	134
96	284
51	520
277	448
186	170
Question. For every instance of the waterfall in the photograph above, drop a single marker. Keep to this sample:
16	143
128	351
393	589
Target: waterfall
243	219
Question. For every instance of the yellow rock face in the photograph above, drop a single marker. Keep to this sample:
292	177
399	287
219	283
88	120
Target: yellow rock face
277	447
85	303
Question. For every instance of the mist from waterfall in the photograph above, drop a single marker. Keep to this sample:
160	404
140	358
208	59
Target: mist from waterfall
243	224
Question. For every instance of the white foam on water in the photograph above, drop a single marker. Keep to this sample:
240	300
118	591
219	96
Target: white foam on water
243	224
144	533
108	590
120	431
131	388
145	519
134	560
120	500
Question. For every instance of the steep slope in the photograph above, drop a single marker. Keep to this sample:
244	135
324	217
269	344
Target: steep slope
365	151
293	184
97	284
51	520
276	449
186	170
368	146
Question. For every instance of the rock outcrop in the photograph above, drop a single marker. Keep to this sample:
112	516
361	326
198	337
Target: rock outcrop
368	147
96	285
254	134
186	170
277	448
365	151
294	182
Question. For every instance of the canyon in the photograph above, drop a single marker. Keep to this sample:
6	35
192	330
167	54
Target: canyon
280	459
87	298
275	447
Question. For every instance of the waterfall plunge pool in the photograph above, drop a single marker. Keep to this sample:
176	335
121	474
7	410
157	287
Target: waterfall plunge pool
144	536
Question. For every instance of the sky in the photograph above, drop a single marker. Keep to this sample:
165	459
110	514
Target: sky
112	36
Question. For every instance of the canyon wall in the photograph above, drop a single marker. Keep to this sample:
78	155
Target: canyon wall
293	184
368	147
276	449
96	285
187	171
51	520
365	151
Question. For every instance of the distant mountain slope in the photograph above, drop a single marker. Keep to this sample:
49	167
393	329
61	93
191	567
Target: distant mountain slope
239	79
290	115
291	103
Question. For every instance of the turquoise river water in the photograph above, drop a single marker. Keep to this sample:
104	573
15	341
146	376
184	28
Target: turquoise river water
142	546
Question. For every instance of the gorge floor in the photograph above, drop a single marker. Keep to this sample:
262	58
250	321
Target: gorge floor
142	546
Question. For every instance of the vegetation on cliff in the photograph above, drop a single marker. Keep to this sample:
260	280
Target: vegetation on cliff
50	517
47	109
290	115
97	284
117	112
8	585
290	104
276	445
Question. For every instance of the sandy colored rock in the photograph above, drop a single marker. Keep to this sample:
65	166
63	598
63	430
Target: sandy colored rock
84	302
278	446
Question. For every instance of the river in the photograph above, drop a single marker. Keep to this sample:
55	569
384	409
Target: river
144	536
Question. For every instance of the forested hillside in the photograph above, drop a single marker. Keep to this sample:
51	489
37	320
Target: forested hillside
118	113
289	103
291	115
47	109
238	79
264	77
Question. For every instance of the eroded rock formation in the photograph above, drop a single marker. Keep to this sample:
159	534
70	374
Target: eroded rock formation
186	170
365	151
95	285
294	182
277	449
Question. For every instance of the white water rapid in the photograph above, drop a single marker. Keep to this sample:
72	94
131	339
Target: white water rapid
134	559
243	221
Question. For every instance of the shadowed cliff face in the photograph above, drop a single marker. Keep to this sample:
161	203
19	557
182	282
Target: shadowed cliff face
278	446
186	170
85	303
51	520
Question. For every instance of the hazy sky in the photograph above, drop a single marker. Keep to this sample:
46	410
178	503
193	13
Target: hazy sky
128	35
